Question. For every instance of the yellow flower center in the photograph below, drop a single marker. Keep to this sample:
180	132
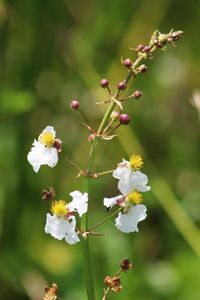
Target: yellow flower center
136	161
135	197
47	139
59	208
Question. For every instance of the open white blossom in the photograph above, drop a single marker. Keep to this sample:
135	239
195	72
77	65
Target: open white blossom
129	222
43	151
62	224
130	179
60	228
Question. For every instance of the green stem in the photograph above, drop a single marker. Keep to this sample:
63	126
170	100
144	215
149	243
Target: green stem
84	221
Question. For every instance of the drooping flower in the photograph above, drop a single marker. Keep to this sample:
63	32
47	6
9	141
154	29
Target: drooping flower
130	178
132	212
62	224
45	150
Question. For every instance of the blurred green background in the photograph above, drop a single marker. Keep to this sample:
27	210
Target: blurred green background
55	51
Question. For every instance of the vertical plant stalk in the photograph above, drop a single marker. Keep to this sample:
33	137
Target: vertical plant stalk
161	39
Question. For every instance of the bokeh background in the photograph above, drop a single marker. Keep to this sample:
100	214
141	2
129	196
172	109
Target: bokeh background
55	51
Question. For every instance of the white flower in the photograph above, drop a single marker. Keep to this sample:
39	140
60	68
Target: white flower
60	228
43	151
63	222
128	222
129	179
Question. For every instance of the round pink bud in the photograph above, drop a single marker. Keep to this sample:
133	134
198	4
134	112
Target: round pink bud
124	119
143	68
104	83
137	94
74	104
127	63
122	85
147	49
140	47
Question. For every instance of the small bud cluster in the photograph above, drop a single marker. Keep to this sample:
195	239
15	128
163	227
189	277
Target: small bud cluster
114	282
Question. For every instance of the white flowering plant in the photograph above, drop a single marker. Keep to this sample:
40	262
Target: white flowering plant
127	207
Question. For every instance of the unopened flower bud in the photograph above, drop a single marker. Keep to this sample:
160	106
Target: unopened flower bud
127	63
114	115
143	68
140	47
137	94
147	49
122	85
58	145
104	83
48	195
91	137
74	104
124	119
126	265
108	281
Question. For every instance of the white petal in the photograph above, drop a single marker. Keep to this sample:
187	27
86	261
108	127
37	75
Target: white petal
41	155
128	222
79	202
130	179
49	129
110	202
60	228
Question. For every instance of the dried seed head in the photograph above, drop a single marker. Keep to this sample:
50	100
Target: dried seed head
126	265
48	195
74	104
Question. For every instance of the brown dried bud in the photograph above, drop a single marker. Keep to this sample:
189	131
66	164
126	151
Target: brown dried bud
112	282
51	292
126	265
48	195
117	289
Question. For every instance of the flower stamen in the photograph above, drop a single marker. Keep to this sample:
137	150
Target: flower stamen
136	161
135	197
59	208
47	139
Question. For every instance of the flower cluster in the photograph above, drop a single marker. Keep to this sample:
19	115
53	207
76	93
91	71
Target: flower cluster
131	183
